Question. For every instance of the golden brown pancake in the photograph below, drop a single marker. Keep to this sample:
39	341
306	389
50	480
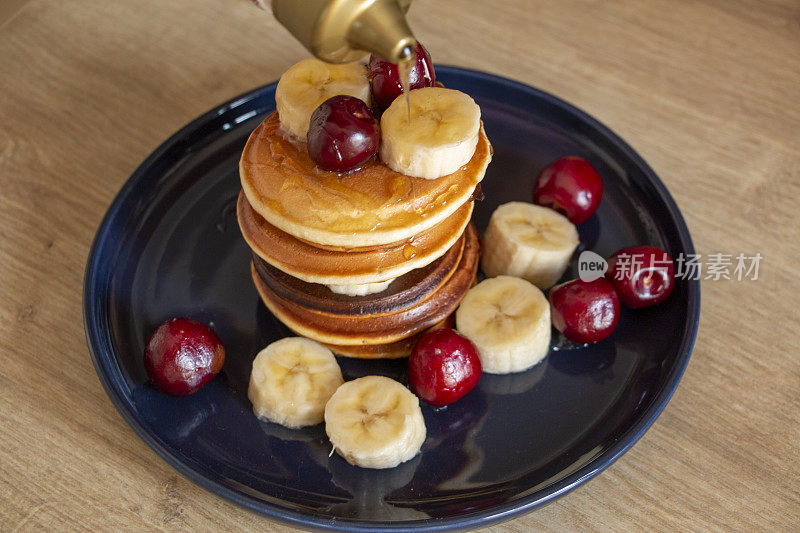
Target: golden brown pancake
372	206
477	194
389	325
402	292
314	265
393	350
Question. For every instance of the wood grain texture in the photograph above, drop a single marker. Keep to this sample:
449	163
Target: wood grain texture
708	92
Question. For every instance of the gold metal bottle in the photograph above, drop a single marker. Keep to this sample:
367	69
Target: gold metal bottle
338	31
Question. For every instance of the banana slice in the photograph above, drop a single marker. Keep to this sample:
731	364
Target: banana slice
439	138
361	289
310	82
292	380
528	241
508	320
375	422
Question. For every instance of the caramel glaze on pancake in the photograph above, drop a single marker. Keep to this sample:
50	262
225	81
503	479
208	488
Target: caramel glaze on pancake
390	327
402	293
477	195
371	206
314	265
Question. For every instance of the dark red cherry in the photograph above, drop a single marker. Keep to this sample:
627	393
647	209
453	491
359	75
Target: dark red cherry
571	186
343	134
584	311
384	77
182	356
642	275
443	367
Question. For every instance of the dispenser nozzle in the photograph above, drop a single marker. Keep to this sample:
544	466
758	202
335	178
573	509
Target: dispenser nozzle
382	29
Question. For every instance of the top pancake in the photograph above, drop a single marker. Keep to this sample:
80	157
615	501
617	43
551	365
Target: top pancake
368	207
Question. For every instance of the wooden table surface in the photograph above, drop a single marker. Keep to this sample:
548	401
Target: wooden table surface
708	92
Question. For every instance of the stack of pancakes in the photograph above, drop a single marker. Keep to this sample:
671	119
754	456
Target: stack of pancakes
405	246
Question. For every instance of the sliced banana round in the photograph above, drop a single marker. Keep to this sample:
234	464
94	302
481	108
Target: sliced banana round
528	241
508	320
375	422
292	380
361	289
310	82
433	136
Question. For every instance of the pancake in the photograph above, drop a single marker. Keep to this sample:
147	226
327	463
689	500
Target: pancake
477	194
388	326
393	350
404	291
369	207
314	265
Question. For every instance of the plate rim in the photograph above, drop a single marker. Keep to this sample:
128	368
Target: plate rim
104	360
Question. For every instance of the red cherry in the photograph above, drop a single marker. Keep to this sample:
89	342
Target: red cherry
584	311
182	356
384	77
443	367
571	186
343	134
642	275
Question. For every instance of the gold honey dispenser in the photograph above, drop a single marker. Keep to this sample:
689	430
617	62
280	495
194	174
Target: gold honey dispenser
338	31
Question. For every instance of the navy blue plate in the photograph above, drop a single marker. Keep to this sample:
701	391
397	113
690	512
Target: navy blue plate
170	246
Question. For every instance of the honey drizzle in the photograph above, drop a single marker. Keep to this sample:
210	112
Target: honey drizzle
404	71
